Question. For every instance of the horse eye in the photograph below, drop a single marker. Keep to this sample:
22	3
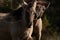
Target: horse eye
43	9
37	8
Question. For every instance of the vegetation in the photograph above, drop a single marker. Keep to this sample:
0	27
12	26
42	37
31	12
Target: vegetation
51	22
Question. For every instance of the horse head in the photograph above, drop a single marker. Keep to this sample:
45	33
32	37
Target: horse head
30	12
40	8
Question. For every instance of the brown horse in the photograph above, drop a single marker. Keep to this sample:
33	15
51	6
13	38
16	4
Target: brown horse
20	22
37	27
22	30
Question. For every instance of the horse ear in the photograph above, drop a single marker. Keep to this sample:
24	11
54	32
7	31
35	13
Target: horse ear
48	4
44	3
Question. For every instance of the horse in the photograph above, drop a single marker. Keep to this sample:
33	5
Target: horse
41	6
20	22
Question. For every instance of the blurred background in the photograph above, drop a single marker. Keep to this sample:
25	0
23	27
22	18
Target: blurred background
51	19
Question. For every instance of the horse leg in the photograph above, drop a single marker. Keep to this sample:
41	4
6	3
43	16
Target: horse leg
37	29
40	27
28	33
